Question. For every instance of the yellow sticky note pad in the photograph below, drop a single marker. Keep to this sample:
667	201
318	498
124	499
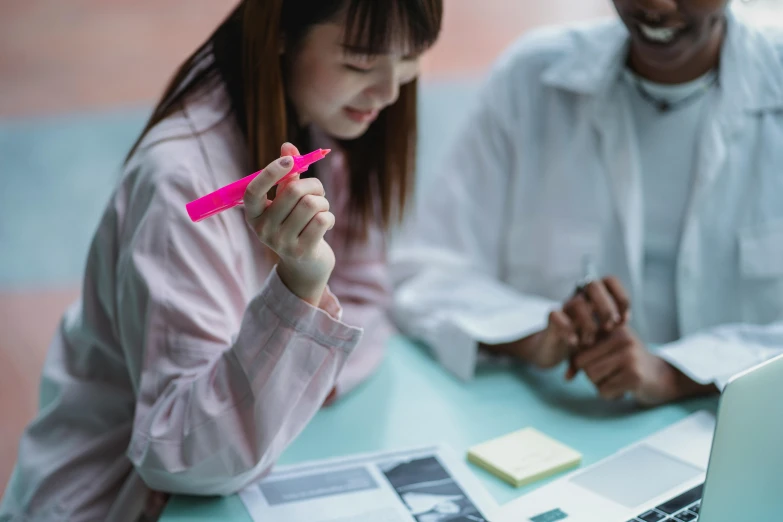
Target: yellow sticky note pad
524	457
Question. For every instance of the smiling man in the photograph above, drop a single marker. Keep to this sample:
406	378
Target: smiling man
648	148
673	41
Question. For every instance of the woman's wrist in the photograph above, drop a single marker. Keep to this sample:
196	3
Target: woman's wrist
306	289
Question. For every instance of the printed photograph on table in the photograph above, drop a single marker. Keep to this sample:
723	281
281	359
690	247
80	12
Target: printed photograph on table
426	484
429	492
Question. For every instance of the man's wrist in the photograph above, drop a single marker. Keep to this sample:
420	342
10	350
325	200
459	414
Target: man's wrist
527	349
524	349
683	387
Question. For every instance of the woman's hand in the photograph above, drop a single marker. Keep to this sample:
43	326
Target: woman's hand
293	226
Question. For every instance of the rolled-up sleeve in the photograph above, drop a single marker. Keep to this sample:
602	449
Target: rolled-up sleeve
716	355
447	266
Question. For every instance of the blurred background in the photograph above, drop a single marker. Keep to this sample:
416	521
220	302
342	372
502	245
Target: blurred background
77	81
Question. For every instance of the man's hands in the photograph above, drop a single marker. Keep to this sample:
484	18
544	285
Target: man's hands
591	331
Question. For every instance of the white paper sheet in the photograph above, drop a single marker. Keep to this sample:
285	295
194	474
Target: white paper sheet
429	484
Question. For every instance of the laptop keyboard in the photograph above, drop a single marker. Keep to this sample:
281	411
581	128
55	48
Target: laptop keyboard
684	508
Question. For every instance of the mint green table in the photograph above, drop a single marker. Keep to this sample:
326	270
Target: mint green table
412	401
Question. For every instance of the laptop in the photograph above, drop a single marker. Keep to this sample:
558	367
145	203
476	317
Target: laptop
704	469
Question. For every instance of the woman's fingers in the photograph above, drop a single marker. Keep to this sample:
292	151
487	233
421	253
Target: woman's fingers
255	194
303	213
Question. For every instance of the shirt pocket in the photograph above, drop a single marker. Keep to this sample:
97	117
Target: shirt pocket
551	262
761	273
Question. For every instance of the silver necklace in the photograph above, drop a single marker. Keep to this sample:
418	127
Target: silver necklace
664	105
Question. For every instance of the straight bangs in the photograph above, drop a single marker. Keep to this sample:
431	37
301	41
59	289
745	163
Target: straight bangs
376	27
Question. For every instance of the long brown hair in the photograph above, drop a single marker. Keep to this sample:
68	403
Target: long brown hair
244	54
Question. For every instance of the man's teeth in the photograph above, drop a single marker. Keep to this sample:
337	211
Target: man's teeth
658	34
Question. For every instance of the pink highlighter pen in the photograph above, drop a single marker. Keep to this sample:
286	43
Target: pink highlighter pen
231	195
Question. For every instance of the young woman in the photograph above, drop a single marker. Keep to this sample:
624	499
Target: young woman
199	351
